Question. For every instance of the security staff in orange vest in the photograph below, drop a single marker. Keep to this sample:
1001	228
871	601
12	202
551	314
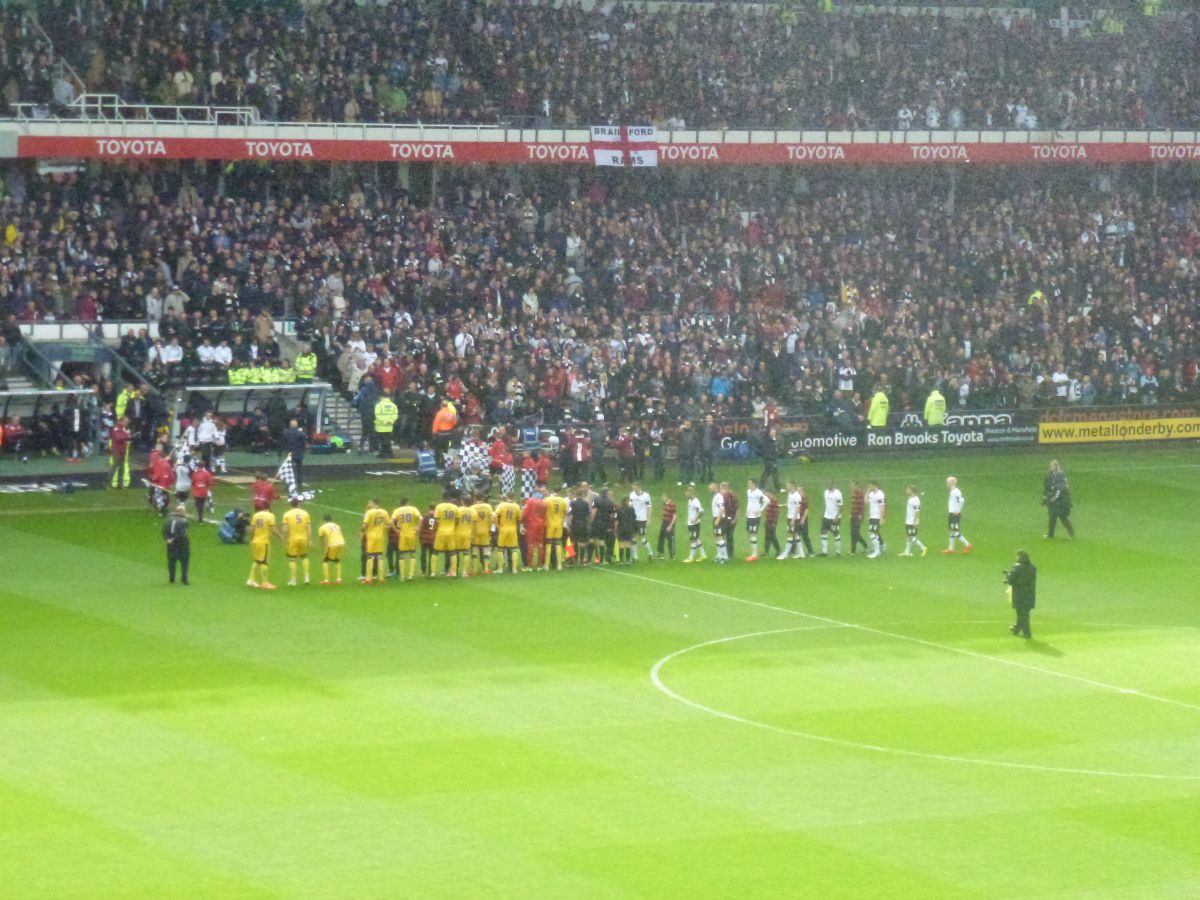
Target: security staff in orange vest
444	422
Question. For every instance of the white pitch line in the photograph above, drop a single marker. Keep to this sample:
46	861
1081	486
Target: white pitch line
59	510
915	640
337	508
656	678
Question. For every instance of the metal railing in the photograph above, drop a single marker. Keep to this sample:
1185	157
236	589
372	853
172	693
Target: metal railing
60	61
111	108
112	356
107	116
38	367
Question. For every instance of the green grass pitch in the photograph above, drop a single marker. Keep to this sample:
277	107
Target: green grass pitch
825	728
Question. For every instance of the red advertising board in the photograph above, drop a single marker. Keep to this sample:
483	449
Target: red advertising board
512	152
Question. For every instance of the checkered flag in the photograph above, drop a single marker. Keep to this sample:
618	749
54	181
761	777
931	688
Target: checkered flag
474	456
528	483
287	474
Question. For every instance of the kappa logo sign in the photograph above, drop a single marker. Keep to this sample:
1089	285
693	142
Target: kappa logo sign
974	420
911	420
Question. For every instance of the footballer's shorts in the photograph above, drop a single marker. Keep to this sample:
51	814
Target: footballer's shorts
334	554
954	519
694	532
873	526
534	537
296	550
260	552
752	524
507	539
407	543
911	530
375	548
828	525
641	527
443	542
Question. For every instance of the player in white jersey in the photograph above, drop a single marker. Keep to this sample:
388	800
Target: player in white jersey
795	508
756	502
831	522
695	513
876	513
718	522
956	507
912	522
641	503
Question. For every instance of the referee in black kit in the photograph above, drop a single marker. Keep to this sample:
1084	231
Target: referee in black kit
179	550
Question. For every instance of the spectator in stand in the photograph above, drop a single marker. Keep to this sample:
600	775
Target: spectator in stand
674	64
762	321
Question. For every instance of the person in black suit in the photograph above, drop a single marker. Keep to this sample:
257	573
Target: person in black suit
179	551
1022	579
1056	495
295	441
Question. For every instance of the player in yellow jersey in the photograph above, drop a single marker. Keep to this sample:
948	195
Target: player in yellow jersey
481	540
462	536
508	518
446	514
297	533
375	527
333	542
406	520
556	514
261	527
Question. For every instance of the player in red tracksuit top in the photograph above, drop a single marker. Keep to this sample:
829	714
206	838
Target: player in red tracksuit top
623	443
496	455
543	465
202	480
263	491
534	518
163	478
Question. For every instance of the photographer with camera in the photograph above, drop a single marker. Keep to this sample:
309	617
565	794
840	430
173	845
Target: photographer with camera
1022	582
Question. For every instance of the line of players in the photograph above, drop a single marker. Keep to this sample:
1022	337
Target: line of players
469	536
762	514
295	532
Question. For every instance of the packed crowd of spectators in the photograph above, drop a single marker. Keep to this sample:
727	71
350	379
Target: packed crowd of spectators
725	66
585	294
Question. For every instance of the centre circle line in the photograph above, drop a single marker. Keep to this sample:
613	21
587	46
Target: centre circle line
826	620
657	680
